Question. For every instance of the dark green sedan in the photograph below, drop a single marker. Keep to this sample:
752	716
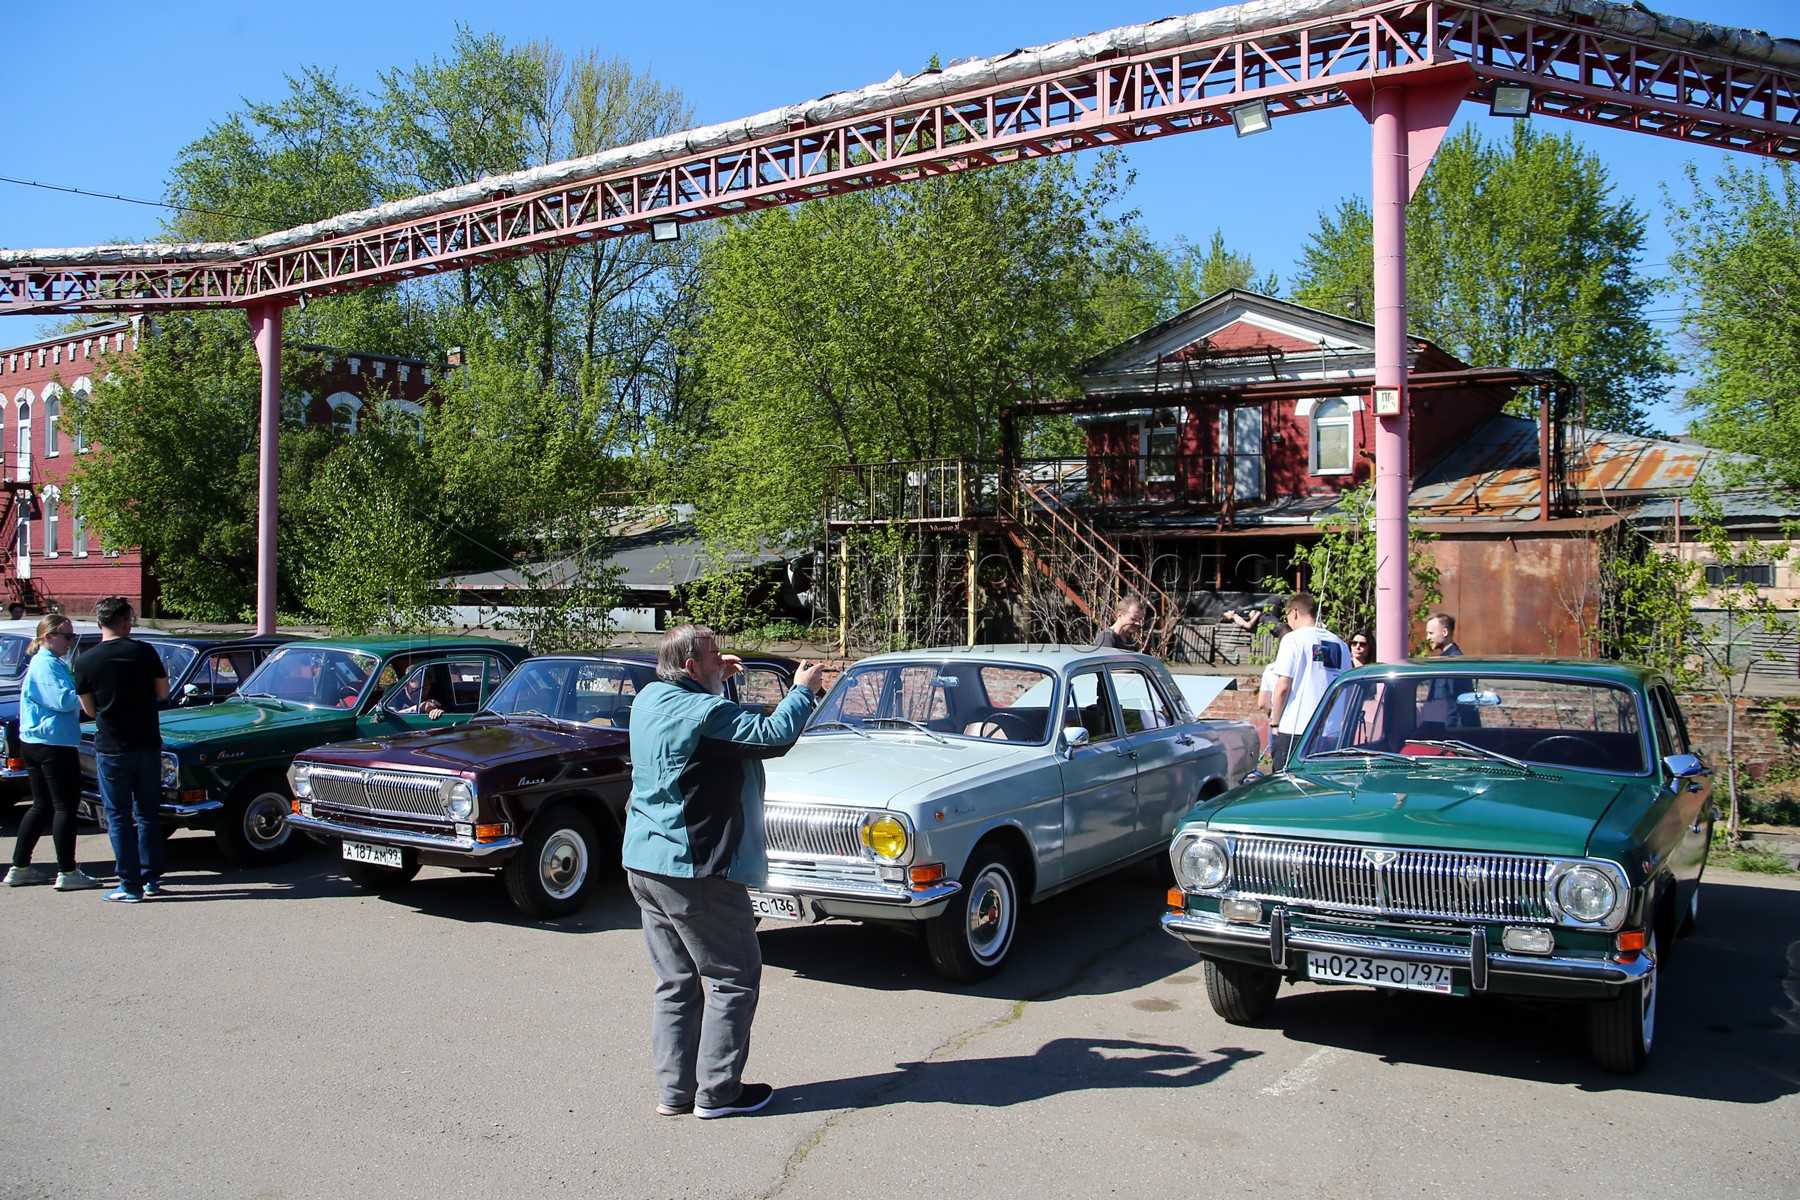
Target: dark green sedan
1523	827
224	766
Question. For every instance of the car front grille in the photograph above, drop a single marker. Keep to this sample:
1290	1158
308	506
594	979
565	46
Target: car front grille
378	791
1436	884
802	829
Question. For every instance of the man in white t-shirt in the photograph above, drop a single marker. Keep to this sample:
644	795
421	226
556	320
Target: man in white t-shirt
1309	657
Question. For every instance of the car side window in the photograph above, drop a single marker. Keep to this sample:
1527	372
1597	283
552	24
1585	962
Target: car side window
223	670
760	688
1089	707
1141	706
1671	730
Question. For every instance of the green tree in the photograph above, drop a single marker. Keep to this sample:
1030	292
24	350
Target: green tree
886	326
1341	564
1516	256
1737	256
1200	274
189	501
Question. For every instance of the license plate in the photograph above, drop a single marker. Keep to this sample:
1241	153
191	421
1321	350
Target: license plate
381	856
1351	968
786	908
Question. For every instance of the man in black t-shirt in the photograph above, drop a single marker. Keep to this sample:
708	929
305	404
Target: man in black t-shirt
119	682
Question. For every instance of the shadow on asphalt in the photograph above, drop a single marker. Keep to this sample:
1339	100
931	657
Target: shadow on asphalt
1098	939
1727	1026
1058	1067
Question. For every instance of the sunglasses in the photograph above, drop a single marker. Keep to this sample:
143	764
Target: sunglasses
1363	642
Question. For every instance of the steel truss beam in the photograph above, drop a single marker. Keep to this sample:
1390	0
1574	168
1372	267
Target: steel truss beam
1578	70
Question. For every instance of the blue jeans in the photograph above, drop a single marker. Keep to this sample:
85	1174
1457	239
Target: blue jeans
131	790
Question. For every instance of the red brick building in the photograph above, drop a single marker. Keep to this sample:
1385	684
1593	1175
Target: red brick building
48	555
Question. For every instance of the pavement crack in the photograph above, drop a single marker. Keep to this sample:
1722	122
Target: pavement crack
948	1049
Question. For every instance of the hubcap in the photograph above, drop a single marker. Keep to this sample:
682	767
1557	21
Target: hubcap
563	865
265	821
990	913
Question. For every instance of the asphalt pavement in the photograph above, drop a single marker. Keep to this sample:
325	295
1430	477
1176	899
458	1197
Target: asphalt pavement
283	1034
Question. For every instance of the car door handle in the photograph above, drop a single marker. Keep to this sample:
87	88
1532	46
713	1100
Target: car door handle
1184	740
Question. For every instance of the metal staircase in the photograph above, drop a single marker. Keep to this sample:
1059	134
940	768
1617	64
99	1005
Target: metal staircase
1080	562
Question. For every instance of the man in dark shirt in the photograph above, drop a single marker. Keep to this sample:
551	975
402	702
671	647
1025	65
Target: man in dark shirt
1128	622
119	682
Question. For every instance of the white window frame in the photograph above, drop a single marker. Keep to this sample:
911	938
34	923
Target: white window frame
78	533
83	387
23	444
1147	435
52	418
339	401
1309	410
50	501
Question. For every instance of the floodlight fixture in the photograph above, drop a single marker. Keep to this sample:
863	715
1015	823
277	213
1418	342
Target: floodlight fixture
1510	100
665	231
1251	118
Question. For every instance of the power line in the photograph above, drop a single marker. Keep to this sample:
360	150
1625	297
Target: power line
182	208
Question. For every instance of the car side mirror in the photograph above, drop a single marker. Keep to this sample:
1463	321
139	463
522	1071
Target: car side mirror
1685	766
190	690
1075	735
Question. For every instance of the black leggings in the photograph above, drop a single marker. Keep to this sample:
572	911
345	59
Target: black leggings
55	773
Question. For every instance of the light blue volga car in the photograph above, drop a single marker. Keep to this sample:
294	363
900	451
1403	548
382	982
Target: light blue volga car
947	786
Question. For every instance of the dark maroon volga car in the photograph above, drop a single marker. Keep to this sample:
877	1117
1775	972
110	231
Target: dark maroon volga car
534	786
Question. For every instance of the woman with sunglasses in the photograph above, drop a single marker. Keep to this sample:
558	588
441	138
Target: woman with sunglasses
1362	648
49	732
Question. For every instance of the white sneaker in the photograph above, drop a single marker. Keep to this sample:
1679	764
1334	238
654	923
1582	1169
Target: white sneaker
20	876
75	881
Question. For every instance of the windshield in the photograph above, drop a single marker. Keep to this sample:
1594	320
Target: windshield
594	693
1571	723
989	701
316	676
175	657
13	659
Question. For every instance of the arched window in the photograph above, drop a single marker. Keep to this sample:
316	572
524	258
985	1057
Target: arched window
52	502
83	388
52	419
404	414
24	440
346	410
1333	439
78	539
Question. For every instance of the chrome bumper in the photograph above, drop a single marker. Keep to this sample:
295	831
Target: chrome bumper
170	808
396	837
812	887
1207	932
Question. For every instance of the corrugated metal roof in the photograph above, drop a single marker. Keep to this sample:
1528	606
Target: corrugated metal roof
1494	473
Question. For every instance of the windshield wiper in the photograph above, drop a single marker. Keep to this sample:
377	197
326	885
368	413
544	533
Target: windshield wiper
818	725
1362	752
1472	749
911	724
279	702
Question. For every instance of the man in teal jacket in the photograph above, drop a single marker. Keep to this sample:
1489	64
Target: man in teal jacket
693	834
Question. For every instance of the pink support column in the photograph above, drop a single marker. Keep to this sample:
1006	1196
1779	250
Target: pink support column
1409	120
265	328
1393	625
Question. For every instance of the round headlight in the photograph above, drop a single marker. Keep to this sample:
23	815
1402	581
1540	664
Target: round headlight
300	781
170	770
1201	864
459	799
886	836
1586	893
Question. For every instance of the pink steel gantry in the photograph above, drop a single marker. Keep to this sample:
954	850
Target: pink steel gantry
1406	65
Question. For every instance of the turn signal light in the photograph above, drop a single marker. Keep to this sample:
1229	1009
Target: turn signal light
1177	900
295	806
1633	939
15	764
926	874
490	833
194	795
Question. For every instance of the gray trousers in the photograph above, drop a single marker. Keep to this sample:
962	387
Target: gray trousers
702	941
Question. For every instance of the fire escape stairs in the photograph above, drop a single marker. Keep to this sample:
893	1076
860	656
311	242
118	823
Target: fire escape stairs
1047	533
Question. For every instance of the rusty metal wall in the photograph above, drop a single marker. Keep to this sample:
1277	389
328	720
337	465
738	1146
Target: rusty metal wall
1514	594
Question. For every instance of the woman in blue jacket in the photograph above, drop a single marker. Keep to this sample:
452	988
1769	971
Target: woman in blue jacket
49	732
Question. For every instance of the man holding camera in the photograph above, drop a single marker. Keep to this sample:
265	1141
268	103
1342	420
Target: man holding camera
1309	657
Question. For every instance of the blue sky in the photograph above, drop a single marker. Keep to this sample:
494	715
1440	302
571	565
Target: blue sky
140	81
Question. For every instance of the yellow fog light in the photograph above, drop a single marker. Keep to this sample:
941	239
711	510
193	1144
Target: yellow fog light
886	836
1528	941
1241	910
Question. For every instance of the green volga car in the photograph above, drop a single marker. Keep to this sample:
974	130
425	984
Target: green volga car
224	766
1454	825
